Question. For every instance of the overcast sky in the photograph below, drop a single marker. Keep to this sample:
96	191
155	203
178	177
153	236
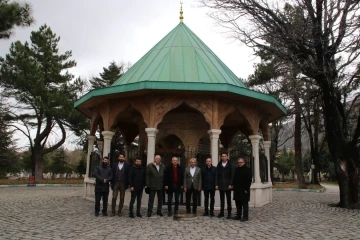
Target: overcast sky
98	32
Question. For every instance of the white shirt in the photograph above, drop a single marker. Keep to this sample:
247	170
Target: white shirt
192	171
224	164
121	165
157	167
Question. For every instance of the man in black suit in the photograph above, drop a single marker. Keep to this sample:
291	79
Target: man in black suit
173	184
137	184
242	183
208	174
120	173
225	177
103	177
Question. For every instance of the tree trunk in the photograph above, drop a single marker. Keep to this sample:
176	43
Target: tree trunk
345	155
38	166
297	145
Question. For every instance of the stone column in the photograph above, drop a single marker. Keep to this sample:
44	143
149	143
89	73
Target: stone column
151	134
214	148
107	142
255	139
91	140
267	145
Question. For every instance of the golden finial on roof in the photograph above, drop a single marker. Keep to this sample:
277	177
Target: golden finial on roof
181	13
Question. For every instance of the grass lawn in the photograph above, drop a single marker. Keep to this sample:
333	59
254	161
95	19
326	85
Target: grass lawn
295	185
4	181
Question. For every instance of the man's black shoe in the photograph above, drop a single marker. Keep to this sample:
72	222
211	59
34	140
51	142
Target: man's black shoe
96	214
245	219
220	215
228	216
212	214
193	212
149	214
176	212
169	214
105	214
139	215
160	214
131	215
236	218
205	214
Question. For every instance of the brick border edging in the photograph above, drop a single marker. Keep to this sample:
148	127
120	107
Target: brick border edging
300	190
42	185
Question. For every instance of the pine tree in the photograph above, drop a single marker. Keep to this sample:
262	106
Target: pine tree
13	14
108	76
35	75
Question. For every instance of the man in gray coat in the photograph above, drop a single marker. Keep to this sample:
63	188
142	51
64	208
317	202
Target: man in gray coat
192	184
155	182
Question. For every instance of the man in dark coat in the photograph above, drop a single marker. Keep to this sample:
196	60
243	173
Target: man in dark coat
173	181
137	183
208	175
120	173
242	182
225	177
103	177
155	181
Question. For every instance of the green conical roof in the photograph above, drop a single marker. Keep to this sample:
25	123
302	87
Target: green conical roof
180	57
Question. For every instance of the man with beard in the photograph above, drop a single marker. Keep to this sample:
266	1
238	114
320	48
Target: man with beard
103	177
155	182
120	173
137	183
225	177
173	184
242	182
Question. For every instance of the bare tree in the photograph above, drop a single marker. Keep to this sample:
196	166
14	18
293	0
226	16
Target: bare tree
324	45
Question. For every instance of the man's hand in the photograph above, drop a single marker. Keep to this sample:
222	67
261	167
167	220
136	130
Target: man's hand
199	189
184	189
230	187
131	189
217	187
105	180
166	187
246	192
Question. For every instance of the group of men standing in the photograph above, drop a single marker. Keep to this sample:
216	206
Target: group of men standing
173	179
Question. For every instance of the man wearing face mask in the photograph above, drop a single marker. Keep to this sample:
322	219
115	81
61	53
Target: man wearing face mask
119	184
103	177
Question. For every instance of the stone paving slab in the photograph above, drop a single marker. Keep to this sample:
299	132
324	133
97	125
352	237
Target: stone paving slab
62	213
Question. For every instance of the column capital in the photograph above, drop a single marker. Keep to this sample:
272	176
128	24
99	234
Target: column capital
107	134
255	138
214	132
91	138
151	132
267	144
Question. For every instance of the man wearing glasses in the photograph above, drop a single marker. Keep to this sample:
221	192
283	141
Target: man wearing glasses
241	185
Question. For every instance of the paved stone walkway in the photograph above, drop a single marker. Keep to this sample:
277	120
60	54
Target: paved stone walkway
62	213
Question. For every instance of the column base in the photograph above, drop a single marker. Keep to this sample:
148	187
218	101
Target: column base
260	194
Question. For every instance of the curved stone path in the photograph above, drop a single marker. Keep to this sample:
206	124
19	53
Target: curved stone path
62	213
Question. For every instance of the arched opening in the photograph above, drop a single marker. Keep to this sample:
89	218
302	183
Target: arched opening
170	146
188	125
203	151
127	126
